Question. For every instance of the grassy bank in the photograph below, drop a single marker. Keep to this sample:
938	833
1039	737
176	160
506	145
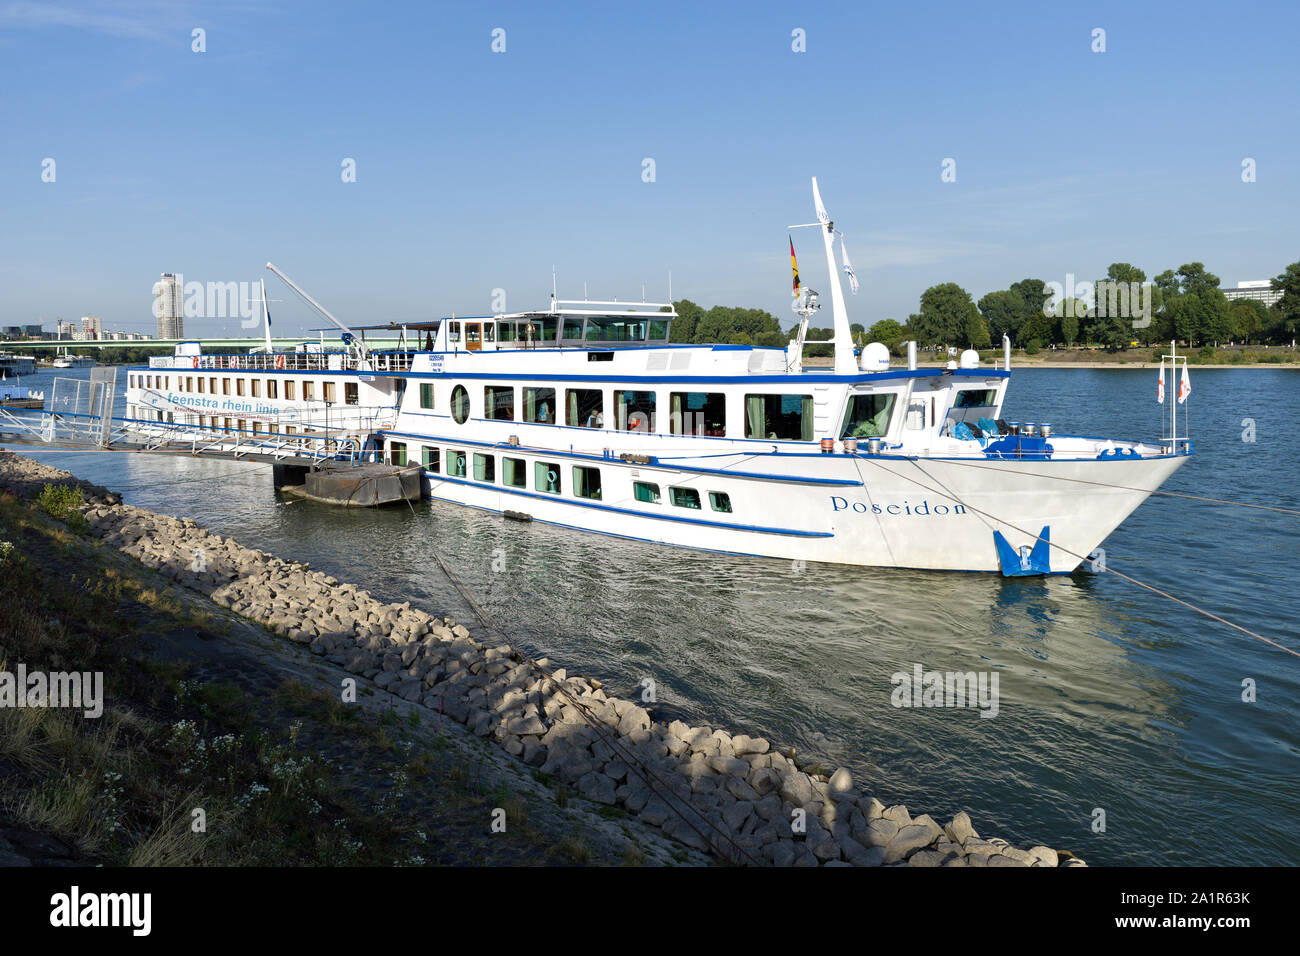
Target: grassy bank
214	747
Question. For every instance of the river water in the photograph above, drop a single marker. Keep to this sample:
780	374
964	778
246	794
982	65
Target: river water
1111	698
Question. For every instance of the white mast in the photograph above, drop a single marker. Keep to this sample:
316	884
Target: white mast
266	317
845	363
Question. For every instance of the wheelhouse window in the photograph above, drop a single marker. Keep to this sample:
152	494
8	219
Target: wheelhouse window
976	398
867	416
585	408
634	411
499	402
514	472
431	458
685	497
460	404
698	413
453	331
546	477
455	463
779	417
539	405
426	395
645	491
586	482
720	501
485	467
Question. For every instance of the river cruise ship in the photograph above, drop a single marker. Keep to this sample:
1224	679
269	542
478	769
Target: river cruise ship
584	414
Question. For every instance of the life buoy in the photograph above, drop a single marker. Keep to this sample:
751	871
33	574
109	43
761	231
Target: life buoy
279	361
195	361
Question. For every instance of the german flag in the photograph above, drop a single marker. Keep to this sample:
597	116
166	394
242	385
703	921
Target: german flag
794	265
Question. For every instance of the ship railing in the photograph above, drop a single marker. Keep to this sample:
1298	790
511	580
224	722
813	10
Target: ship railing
288	362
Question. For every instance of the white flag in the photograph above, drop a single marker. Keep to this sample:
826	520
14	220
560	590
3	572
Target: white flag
1184	387
1160	386
848	267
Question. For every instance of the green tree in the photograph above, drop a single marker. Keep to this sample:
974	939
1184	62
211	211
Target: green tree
1033	303
1286	310
1004	312
945	316
688	316
888	333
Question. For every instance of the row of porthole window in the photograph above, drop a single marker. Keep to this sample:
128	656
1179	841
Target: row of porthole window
547	477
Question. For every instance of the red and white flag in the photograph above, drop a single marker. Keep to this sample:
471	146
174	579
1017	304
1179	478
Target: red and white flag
1184	387
1160	386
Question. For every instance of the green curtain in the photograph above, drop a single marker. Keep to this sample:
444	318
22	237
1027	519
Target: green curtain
572	396
807	418
755	419
530	404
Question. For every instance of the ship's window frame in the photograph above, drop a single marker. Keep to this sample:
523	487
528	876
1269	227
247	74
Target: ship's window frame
328	392
679	495
308	390
494	407
426	395
864	423
720	501
397	453
542	480
453	331
771	405
272	389
457	462
533	398
485	467
681	414
460	404
583	482
514	472
255	388
638	410
290	390
990	394
646	492
578	410
431	458
239	387
351	393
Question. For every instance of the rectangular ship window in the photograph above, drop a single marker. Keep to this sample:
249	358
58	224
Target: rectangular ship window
485	467
721	501
585	408
499	402
779	417
431	458
455	463
685	497
586	482
514	472
539	405
646	491
546	477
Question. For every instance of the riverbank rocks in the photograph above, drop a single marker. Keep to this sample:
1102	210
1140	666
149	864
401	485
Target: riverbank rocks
706	787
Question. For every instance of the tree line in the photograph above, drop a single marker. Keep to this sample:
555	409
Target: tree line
1113	311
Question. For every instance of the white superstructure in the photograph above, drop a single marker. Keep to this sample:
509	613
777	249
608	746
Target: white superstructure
585	415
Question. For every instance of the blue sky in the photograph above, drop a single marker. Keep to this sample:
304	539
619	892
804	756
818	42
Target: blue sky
478	170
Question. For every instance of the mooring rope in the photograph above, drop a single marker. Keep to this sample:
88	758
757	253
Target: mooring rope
1132	580
663	791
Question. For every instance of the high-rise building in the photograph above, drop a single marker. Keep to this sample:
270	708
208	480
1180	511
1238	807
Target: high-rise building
1261	289
168	306
67	330
92	327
